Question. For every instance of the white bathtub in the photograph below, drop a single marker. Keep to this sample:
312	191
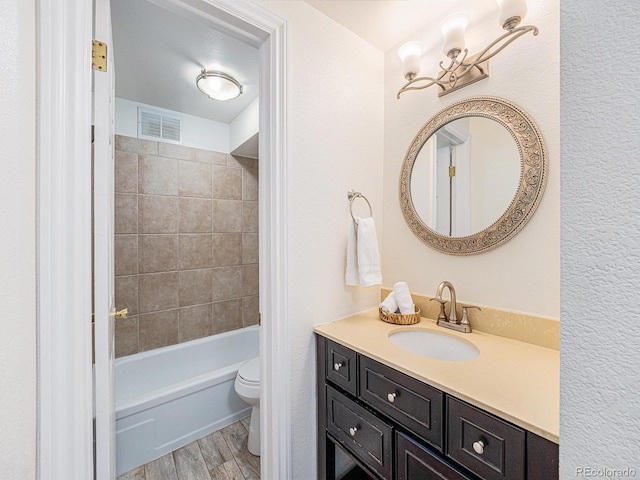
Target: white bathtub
168	397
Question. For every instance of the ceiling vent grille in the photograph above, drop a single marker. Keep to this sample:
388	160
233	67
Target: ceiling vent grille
156	125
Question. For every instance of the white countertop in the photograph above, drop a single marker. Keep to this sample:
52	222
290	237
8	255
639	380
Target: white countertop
516	381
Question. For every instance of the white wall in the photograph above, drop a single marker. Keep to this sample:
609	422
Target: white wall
245	125
523	274
18	241
197	132
335	117
600	345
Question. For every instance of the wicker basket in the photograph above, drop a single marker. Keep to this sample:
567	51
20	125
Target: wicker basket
399	318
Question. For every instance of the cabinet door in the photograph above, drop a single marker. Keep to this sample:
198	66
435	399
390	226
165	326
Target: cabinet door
360	432
414	462
415	405
341	366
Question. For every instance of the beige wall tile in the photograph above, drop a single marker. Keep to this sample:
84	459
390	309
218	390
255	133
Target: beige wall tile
250	310
136	145
157	214
195	215
250	280
157	175
127	293
249	216
207	156
237	161
194	322
227	316
195	251
126	254
227	183
126	333
158	329
126	213
176	151
249	248
195	287
227	283
250	184
157	253
194	179
126	172
227	216
227	249
157	291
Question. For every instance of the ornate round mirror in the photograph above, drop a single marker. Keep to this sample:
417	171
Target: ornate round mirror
473	176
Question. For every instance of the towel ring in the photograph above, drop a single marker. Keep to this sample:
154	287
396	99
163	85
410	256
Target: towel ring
352	195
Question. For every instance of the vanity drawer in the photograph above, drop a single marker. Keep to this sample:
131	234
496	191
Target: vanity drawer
364	434
486	445
341	366
414	462
413	404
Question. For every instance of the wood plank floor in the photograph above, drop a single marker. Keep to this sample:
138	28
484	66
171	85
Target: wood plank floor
222	455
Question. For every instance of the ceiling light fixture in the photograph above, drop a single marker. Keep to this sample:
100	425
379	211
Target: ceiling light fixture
463	69
218	85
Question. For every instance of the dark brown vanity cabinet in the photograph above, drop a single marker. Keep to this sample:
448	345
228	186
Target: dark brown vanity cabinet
395	427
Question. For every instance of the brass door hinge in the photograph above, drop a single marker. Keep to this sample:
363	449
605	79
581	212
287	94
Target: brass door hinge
452	171
99	55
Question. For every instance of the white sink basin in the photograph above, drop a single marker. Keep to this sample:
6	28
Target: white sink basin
434	345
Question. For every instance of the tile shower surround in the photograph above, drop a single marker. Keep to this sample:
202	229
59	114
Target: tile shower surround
186	243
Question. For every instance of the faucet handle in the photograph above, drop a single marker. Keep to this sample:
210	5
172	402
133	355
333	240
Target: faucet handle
442	315
465	319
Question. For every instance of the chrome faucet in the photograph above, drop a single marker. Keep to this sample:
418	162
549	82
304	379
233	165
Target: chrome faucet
450	321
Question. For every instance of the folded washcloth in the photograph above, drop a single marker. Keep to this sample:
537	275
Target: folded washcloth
389	304
403	298
363	258
352	276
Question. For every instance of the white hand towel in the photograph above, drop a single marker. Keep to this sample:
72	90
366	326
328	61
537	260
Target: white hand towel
368	255
403	298
352	276
389	304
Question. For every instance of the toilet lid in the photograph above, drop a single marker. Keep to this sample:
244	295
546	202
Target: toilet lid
250	370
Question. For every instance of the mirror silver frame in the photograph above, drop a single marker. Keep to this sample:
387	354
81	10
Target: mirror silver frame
533	175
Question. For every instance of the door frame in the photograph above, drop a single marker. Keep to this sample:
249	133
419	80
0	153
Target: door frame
65	417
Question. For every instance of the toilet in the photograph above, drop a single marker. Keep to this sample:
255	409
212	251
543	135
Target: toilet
247	386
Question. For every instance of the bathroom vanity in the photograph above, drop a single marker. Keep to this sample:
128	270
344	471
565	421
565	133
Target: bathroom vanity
402	416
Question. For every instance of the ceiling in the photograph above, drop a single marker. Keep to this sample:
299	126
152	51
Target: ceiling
386	23
158	55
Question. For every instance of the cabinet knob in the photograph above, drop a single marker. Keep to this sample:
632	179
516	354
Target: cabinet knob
337	366
391	397
478	447
353	431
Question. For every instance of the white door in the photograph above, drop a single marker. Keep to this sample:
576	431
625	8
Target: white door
103	217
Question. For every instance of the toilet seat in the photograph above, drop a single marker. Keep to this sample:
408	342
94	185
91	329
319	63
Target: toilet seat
249	372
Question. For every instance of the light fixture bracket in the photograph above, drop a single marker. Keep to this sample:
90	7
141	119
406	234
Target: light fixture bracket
464	69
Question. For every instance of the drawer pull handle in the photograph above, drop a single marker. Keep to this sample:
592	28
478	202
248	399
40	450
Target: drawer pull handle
392	397
353	431
338	366
478	447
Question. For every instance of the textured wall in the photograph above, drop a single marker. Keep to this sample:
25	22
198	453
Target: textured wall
600	114
524	273
18	243
186	244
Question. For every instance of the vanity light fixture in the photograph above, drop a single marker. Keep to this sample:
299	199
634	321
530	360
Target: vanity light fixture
218	85
463	69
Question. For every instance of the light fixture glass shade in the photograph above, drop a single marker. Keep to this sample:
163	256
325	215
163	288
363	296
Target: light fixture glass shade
511	9
410	54
218	85
453	27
